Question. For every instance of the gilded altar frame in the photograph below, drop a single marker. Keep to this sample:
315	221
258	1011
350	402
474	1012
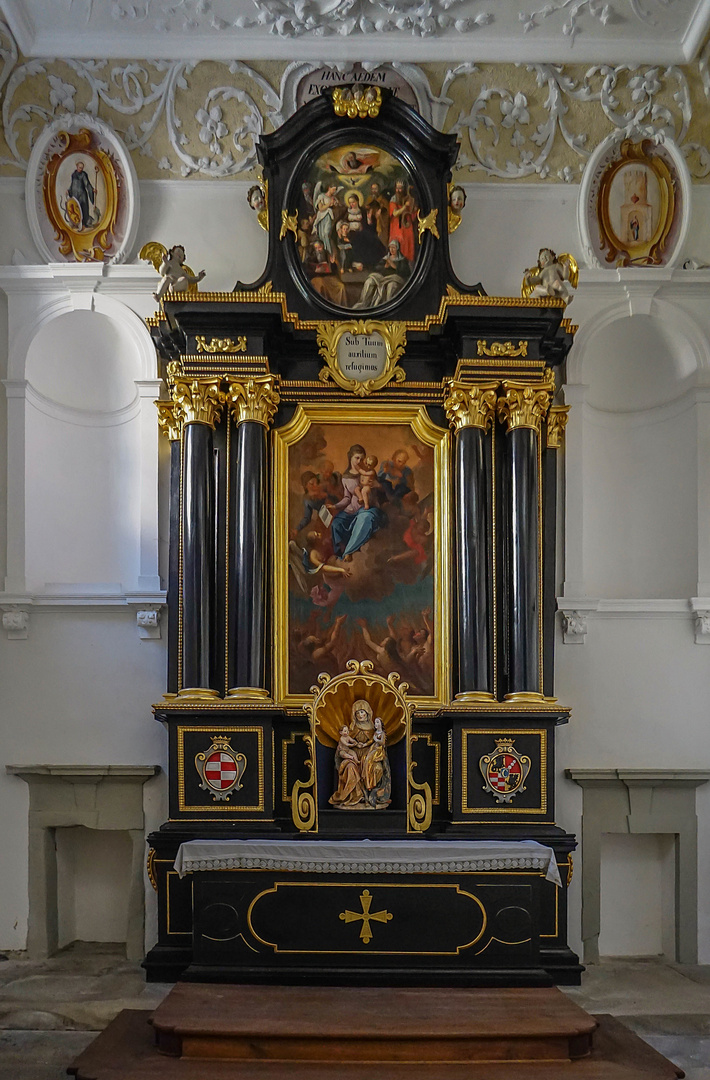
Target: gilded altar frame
428	434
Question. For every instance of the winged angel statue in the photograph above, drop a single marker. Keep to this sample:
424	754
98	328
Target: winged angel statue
175	274
553	276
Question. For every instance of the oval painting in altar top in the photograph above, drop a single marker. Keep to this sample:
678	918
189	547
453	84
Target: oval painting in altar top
357	226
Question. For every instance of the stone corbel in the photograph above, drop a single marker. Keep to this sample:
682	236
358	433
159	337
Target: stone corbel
15	622
574	626
701	611
148	620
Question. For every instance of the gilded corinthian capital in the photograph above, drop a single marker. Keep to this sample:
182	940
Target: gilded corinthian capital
556	424
469	405
198	401
254	399
524	405
168	419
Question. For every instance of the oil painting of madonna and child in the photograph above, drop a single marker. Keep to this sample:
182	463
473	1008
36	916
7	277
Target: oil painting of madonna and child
357	226
364	553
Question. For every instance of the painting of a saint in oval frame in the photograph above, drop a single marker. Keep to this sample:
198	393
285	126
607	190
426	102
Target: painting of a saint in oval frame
81	192
361	542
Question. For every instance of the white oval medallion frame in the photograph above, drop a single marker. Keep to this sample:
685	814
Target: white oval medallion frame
597	238
82	222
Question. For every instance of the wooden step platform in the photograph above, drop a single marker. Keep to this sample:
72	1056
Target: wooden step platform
373	1024
318	1027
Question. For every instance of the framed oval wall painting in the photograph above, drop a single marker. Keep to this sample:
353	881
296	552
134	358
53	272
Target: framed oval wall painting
81	192
634	204
358	238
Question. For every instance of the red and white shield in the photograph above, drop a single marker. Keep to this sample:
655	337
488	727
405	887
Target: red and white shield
220	768
504	771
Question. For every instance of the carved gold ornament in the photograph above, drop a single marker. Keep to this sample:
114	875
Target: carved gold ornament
254	399
289	223
198	401
150	869
357	101
365	916
556	423
344	354
468	405
524	405
502	348
84	223
220	345
427	224
168	419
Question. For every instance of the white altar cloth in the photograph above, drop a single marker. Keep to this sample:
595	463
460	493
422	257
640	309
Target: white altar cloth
367	856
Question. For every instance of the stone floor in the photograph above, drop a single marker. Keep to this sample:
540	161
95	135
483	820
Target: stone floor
50	1010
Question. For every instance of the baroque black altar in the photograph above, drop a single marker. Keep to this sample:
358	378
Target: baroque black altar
359	335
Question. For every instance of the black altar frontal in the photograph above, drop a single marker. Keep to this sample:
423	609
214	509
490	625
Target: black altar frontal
361	589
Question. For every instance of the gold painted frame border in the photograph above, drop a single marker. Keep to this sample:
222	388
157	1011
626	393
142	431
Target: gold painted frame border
616	250
225	808
430	434
498	809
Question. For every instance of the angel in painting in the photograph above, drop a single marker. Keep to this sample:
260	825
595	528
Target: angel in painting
326	203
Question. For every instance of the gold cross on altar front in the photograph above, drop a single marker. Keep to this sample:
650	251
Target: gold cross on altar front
367	918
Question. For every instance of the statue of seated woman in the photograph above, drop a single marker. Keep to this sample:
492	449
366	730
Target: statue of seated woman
363	777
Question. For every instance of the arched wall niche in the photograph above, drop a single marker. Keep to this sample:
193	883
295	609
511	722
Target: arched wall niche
632	462
86	467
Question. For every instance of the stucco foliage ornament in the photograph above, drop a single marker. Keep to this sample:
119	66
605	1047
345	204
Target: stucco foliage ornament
537	121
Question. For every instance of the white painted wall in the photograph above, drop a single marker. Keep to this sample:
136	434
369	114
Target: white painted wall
636	510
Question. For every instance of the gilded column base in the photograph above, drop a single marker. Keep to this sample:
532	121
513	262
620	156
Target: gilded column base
475	695
249	693
522	696
195	693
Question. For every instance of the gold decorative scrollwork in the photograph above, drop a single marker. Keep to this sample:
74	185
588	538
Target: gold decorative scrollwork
303	793
254	399
419	804
524	405
289	223
198	401
556	423
427	224
394	335
357	101
150	868
502	348
168	419
469	405
570	869
220	345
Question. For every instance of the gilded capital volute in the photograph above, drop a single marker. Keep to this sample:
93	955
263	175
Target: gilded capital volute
469	404
255	399
168	419
524	405
556	423
198	401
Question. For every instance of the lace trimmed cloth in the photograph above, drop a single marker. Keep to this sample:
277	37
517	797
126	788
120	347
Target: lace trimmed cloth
367	856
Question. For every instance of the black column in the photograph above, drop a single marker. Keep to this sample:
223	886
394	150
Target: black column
198	555
173	597
474	615
524	570
248	580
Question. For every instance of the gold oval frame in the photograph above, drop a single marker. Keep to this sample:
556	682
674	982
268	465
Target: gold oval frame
651	252
91	244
